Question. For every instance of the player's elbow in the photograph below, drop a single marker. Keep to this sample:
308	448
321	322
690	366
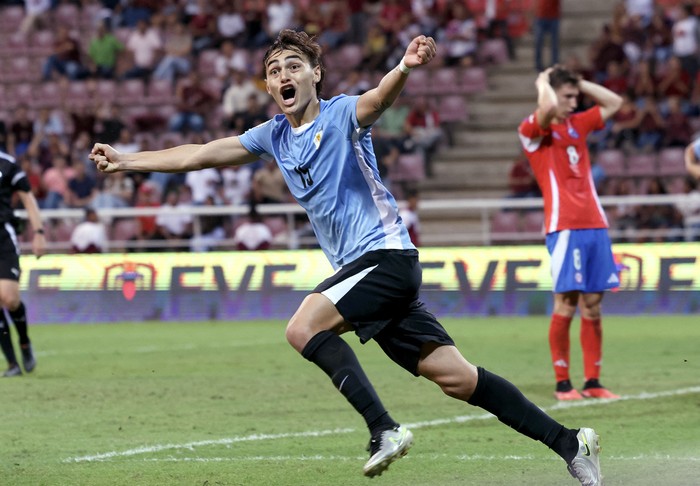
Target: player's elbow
615	103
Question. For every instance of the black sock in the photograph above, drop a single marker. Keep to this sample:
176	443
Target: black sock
6	340
337	359
592	383
564	386
509	405
19	317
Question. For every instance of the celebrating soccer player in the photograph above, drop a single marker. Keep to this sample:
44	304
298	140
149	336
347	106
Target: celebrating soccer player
324	150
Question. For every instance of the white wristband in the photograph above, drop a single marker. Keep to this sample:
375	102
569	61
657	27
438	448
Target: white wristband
403	68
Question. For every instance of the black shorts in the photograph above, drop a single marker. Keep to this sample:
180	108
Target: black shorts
378	294
9	253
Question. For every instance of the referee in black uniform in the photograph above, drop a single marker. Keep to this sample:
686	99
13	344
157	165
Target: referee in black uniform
13	179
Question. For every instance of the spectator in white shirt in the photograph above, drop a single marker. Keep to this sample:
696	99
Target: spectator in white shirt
144	45
685	39
253	234
172	226
203	184
90	236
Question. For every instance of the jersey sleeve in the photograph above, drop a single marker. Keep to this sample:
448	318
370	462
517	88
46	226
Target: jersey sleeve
589	120
531	133
529	127
345	113
258	140
17	177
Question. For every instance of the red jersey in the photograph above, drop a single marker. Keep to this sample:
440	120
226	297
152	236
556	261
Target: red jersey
562	165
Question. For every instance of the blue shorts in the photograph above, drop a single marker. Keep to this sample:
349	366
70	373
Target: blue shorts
582	260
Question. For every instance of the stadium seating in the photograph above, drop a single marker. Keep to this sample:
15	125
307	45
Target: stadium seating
672	161
131	92
41	44
408	168
612	161
453	109
18	69
49	95
505	223
533	222
106	91
492	51
473	80
67	15
11	17
641	165
206	62
444	81
160	92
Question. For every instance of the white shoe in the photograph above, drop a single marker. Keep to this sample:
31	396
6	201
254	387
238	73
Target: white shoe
586	465
391	445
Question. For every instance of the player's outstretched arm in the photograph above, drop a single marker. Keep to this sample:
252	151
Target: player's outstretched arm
691	162
372	103
183	158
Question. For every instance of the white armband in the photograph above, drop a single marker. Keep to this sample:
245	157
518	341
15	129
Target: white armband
403	68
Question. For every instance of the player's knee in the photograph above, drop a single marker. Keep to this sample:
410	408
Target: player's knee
461	390
591	313
297	334
564	308
10	302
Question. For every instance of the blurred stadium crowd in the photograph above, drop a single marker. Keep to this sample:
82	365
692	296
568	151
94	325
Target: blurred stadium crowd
146	74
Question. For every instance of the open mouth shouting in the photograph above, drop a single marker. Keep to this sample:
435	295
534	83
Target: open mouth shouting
288	95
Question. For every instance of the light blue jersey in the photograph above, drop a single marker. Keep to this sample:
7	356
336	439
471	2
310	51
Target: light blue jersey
330	169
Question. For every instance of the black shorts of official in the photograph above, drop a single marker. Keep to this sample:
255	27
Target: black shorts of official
9	253
378	294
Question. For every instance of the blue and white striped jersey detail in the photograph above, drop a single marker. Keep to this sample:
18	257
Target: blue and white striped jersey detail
331	170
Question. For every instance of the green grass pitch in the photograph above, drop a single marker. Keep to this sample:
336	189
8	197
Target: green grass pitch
231	403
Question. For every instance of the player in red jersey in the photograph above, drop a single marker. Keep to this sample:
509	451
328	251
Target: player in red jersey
554	139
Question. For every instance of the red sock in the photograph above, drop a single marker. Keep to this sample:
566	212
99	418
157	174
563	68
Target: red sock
559	345
592	345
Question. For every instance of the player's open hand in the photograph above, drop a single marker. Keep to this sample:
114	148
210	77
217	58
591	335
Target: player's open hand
420	51
105	157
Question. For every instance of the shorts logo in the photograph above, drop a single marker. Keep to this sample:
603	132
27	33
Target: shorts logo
126	275
15	271
577	258
578	277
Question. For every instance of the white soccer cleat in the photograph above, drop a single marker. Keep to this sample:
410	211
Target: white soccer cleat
391	445
586	465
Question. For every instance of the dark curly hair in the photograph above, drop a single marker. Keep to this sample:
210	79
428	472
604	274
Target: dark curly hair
559	76
302	43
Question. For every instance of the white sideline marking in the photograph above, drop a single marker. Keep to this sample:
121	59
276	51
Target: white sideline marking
421	457
321	433
156	349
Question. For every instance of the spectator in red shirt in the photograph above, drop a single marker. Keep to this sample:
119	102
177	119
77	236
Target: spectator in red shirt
547	15
675	81
521	180
193	101
615	80
65	59
423	127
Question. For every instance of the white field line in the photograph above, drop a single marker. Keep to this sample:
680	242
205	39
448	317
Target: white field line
154	349
421	457
321	433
